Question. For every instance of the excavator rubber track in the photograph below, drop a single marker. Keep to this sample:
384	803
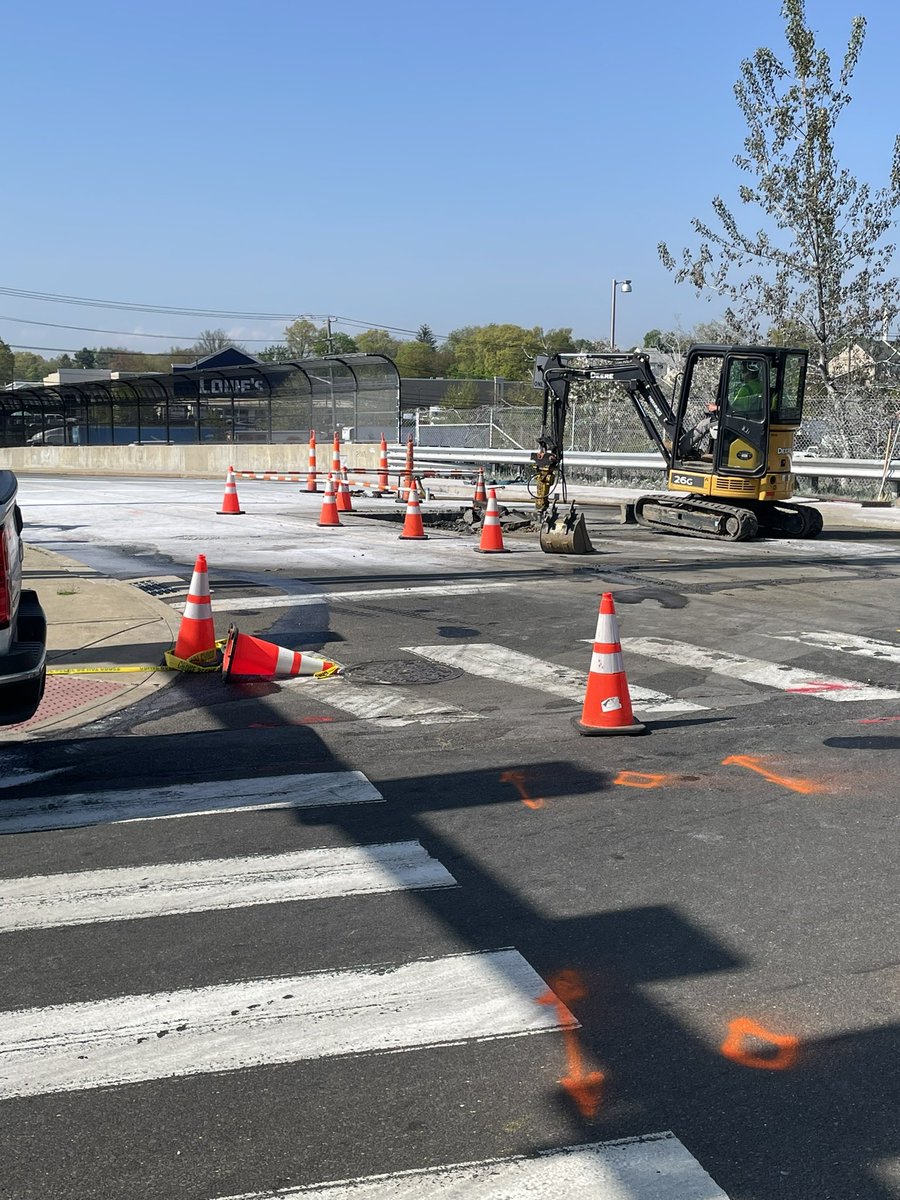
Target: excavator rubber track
692	516
783	519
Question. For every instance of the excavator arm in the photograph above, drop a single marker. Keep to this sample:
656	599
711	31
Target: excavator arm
555	374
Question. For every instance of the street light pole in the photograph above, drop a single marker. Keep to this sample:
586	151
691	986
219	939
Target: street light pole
626	287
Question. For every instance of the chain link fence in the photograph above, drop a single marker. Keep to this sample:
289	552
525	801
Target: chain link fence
858	426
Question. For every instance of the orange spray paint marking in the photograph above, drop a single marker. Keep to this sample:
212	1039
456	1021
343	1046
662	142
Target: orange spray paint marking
517	779
877	720
583	1086
786	1047
805	786
639	779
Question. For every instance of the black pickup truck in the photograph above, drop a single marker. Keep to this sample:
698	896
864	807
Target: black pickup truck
23	627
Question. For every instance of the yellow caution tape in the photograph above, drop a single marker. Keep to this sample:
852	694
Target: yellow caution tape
332	670
197	662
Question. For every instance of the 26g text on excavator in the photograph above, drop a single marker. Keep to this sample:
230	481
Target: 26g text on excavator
726	438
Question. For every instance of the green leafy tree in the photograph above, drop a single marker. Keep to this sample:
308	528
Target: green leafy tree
377	341
301	336
278	352
30	366
7	365
821	259
417	360
86	358
64	362
333	343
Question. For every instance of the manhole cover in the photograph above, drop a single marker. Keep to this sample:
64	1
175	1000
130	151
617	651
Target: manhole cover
401	671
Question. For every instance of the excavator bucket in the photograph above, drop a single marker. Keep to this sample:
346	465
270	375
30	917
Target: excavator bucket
566	535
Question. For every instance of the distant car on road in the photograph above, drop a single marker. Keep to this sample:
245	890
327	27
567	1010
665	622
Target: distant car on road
23	627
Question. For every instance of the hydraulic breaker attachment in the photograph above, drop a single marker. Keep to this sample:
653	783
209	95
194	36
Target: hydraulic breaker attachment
564	535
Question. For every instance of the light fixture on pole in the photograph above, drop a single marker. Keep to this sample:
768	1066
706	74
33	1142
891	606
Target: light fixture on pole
626	287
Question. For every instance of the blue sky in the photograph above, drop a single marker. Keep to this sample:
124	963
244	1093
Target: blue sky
396	163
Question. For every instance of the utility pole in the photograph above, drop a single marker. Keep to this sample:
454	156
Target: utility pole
330	338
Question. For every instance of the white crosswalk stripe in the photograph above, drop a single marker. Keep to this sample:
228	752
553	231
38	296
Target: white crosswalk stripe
657	1167
391	707
188	800
228	1026
844	643
523	670
161	889
754	670
429	1003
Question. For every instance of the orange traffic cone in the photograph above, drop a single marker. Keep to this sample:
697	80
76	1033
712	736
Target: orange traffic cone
197	634
245	655
336	457
480	496
230	505
491	533
607	703
412	525
383	484
311	477
329	513
344	503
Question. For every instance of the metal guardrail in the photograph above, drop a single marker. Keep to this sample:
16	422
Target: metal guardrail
835	468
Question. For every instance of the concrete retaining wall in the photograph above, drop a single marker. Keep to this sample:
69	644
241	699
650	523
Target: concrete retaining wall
179	461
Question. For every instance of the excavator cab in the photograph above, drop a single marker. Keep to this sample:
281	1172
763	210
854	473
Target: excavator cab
740	449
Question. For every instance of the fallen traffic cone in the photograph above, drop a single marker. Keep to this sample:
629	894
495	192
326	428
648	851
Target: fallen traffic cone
311	476
230	505
480	496
383	484
344	503
607	703
329	513
336	457
245	655
412	524
197	634
491	533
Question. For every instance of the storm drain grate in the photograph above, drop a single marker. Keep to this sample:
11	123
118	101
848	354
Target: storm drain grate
401	671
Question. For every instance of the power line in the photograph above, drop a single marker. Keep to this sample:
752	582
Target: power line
172	337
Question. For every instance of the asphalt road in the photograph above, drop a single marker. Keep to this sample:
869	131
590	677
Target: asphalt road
715	901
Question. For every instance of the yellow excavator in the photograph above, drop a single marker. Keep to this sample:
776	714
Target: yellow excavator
727	438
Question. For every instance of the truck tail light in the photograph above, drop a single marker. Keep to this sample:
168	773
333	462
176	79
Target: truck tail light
5	606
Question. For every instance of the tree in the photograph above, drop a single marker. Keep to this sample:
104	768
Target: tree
278	352
377	341
333	343
416	360
300	336
425	335
64	362
820	261
211	340
7	365
86	358
30	366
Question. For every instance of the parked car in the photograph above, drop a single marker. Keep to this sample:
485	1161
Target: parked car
50	437
23	627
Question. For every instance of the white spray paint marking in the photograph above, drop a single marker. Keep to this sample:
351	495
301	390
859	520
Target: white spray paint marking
844	643
754	670
226	1027
522	670
389	706
188	800
252	603
161	889
655	1167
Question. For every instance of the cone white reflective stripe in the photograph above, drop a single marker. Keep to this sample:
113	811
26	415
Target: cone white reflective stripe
198	610
492	513
287	662
607	630
604	663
